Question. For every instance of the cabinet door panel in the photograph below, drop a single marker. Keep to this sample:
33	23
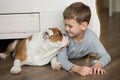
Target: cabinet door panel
19	23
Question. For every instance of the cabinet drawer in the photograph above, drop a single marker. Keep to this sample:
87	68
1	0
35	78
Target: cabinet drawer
19	23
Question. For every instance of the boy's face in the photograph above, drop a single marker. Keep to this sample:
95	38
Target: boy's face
73	28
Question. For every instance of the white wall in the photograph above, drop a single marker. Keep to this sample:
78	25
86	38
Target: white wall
34	5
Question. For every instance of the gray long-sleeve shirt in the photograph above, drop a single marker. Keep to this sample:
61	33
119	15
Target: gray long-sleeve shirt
89	44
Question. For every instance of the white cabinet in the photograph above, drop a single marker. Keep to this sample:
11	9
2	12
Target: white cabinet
19	25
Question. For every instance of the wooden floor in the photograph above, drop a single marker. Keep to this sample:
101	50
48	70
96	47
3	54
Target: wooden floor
110	37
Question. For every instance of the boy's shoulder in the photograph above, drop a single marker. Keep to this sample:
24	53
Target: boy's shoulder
90	34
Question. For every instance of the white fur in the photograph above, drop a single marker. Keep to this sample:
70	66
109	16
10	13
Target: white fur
3	55
50	32
54	63
40	51
16	68
13	46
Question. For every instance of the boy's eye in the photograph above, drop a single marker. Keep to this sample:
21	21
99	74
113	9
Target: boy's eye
70	26
65	24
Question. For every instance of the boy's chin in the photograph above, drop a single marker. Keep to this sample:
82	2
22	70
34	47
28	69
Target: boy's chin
71	35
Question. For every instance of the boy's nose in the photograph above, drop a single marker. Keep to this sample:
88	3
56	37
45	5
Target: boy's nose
66	28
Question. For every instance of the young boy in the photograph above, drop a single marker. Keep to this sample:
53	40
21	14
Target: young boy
82	42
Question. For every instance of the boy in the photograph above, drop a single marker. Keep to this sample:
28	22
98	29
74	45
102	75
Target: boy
82	42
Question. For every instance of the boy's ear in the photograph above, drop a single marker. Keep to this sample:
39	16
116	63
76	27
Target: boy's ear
84	25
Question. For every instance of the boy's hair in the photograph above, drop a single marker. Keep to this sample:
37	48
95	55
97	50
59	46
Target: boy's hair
78	11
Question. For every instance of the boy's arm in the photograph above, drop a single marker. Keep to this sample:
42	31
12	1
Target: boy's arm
62	58
82	70
97	47
104	57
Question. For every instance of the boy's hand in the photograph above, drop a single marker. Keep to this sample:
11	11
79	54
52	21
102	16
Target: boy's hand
97	69
82	70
